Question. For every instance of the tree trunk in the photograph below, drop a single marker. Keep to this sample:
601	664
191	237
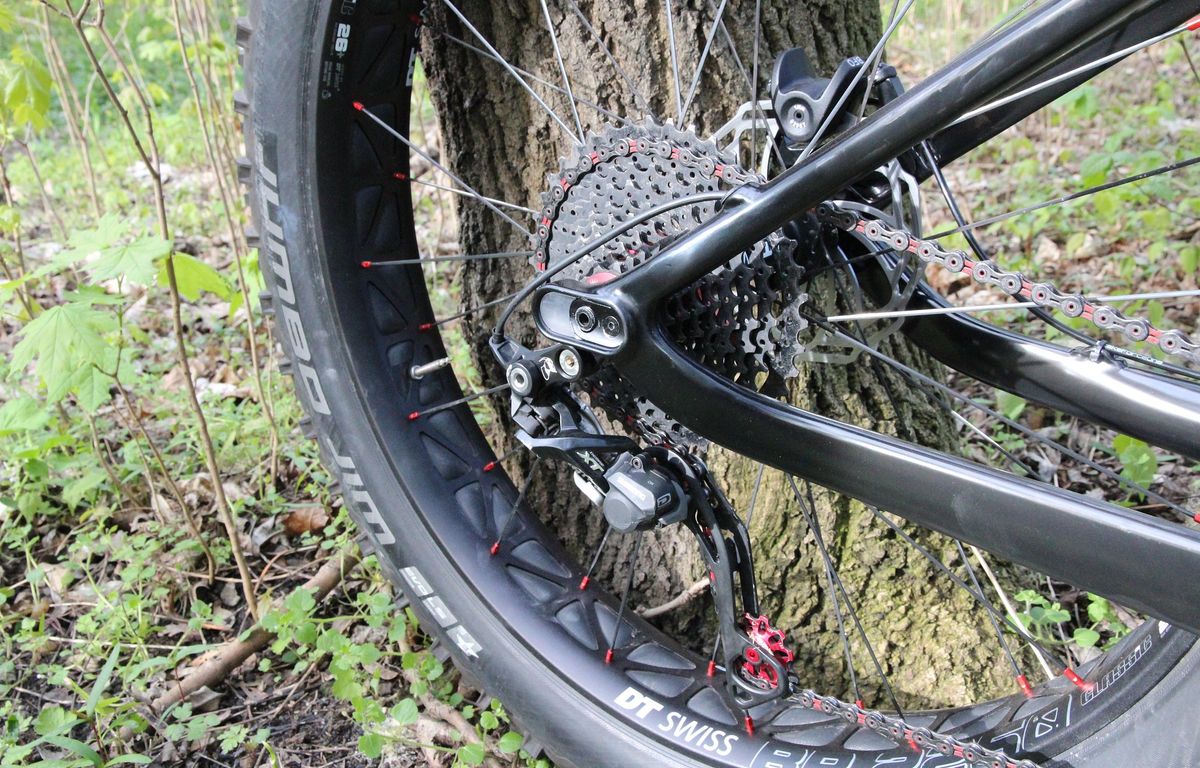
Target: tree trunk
934	646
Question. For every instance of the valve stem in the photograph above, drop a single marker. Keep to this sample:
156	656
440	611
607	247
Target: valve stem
423	370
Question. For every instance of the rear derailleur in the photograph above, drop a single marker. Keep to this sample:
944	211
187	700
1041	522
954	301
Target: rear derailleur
640	488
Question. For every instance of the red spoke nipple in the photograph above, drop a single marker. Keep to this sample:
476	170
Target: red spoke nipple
365	264
489	466
1079	682
584	582
749	725
712	668
414	415
859	703
608	656
424	326
1196	517
400	176
495	547
1026	688
359	106
1194	23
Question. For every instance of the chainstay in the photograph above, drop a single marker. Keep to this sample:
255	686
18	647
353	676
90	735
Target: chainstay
920	739
1015	284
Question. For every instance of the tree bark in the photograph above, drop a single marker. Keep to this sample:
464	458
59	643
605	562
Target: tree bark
935	647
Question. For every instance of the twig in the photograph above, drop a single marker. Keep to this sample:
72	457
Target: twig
147	150
228	657
680	600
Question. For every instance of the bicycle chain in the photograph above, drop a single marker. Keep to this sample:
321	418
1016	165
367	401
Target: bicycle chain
1172	342
921	739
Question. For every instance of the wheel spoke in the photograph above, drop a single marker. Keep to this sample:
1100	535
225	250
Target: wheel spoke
1169	168
809	510
674	64
468	312
1069	74
562	68
712	33
1011	620
1013	616
476	196
633	89
512	71
1018	674
754	78
921	378
754	494
432	259
512	513
460	401
587	577
633	559
534	78
837	107
429	159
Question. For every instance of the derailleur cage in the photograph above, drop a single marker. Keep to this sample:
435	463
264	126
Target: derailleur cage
642	488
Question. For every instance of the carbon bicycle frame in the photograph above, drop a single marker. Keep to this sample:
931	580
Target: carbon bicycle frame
1140	561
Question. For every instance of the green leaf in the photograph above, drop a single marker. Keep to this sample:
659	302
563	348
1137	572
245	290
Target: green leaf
1029	596
75	491
60	341
193	277
1094	169
471	754
371	745
511	742
129	760
26	89
406	712
488	721
53	719
1139	462
1085	637
135	261
1009	404
22	414
102	681
93	387
86	242
78	748
1056	615
1099	609
1189	259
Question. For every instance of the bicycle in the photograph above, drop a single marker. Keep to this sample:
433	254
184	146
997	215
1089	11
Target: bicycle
694	297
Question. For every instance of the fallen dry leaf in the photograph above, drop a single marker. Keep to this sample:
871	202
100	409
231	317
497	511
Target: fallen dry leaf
305	520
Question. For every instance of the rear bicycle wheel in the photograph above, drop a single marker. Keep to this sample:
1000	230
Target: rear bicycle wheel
429	492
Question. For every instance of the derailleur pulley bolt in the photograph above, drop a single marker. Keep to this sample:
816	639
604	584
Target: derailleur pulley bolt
568	363
520	379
